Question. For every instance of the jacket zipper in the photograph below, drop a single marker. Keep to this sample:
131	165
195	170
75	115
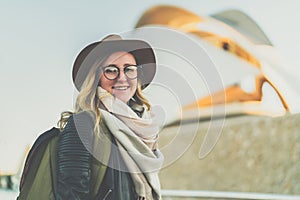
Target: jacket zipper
106	195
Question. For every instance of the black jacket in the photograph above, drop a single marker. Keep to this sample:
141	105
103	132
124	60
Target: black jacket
74	165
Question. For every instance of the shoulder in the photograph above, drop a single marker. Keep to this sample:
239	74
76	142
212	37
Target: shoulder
84	117
78	130
81	121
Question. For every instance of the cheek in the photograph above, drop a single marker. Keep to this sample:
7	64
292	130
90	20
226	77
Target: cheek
133	87
133	84
105	84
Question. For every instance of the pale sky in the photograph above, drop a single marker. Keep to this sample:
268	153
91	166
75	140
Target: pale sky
40	40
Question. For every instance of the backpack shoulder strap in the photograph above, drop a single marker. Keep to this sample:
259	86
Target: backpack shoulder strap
102	148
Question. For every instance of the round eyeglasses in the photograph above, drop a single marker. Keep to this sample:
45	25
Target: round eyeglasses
112	72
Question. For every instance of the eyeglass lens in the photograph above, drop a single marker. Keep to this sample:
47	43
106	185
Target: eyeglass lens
112	72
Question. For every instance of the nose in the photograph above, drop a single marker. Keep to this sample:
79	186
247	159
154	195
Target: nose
122	76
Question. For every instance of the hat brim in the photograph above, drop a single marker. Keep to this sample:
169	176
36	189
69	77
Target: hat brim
98	52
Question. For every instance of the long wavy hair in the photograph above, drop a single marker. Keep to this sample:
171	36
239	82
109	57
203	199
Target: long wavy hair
87	99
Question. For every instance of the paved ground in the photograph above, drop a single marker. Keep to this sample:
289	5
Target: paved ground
253	154
8	195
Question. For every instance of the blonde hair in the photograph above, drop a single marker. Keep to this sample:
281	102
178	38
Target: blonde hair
87	100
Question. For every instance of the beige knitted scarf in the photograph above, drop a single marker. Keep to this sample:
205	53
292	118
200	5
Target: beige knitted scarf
136	139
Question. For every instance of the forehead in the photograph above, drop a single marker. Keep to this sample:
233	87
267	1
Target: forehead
120	57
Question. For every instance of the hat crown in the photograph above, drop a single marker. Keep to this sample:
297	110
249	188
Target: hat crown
112	37
98	51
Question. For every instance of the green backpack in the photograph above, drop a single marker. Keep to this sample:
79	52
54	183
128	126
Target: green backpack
39	174
38	178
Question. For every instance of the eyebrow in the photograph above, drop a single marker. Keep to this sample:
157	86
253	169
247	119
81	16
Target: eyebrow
119	66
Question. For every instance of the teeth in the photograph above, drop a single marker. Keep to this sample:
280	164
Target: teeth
120	87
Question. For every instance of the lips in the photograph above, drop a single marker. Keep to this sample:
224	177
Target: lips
120	87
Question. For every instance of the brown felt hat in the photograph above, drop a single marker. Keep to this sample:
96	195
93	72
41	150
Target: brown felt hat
97	52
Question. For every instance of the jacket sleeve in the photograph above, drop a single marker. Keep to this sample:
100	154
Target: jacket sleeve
74	158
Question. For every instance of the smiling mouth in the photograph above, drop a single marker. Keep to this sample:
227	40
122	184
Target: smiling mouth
120	87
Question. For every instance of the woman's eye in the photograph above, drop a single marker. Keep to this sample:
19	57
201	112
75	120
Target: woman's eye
111	70
130	68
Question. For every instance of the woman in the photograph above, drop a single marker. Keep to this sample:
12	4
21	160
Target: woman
108	146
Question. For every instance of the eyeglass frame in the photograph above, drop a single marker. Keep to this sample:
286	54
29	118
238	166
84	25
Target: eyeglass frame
138	68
